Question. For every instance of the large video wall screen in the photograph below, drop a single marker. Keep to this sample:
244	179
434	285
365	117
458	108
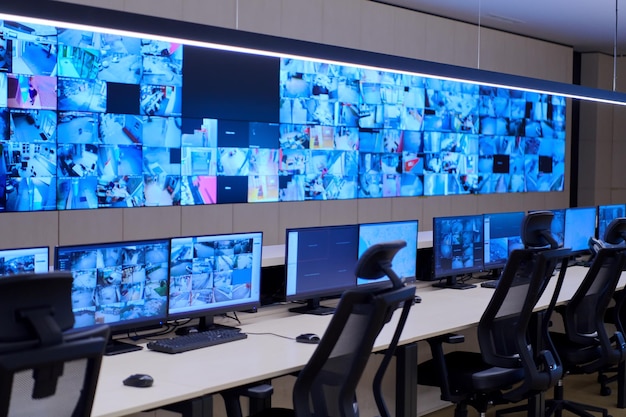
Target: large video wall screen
92	120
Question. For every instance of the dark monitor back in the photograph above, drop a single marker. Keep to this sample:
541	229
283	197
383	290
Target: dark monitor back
320	261
580	225
24	260
404	262
214	274
122	284
606	214
502	236
457	245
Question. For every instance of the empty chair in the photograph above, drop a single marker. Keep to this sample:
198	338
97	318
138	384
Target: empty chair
326	386
46	368
511	366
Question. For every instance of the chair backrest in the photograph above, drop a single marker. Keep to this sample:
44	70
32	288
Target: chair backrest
583	316
503	331
46	368
326	386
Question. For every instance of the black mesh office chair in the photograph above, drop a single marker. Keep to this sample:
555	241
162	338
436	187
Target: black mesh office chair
616	314
326	386
511	365
46	369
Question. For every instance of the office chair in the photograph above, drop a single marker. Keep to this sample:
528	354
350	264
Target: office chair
326	386
46	368
511	365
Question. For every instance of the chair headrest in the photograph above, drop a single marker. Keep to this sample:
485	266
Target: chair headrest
536	230
375	262
616	231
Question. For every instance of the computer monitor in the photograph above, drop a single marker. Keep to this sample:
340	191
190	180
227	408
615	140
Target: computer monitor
24	260
558	225
580	225
405	260
457	249
214	274
122	284
606	214
319	262
501	236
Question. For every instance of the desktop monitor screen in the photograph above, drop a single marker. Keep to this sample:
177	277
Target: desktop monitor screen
122	284
404	262
320	262
580	225
24	260
214	274
606	214
457	245
502	236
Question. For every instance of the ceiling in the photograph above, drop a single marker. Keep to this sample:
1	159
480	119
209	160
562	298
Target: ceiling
586	25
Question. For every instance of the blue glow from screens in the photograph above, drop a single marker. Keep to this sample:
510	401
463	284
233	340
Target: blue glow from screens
214	274
502	236
320	261
95	120
580	225
457	245
123	284
404	263
606	214
24	260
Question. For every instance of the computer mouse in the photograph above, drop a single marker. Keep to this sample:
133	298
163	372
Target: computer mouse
308	338
139	380
417	299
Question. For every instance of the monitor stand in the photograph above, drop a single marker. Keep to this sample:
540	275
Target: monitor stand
115	347
204	324
451	282
313	306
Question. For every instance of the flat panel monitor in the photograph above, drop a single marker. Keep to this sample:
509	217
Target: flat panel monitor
319	263
24	260
214	274
606	214
457	249
122	284
558	225
580	225
502	236
404	263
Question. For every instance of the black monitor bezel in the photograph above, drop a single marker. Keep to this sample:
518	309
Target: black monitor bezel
207	314
320	293
123	326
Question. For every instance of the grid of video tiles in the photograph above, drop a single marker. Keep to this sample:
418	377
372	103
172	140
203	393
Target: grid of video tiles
93	120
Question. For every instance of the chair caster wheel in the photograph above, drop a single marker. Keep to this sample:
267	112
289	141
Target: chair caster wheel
605	391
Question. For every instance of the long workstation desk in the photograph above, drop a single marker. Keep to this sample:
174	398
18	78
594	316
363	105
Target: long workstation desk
264	355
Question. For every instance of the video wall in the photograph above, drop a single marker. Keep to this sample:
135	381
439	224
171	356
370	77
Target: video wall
96	120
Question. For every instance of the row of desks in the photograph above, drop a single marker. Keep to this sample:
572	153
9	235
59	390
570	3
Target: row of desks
270	352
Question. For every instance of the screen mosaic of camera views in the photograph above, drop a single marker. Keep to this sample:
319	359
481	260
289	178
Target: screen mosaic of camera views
117	283
91	120
211	272
457	245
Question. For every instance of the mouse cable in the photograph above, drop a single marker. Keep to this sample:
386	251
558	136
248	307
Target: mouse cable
271	334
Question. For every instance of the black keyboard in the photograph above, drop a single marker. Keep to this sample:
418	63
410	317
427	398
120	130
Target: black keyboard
198	340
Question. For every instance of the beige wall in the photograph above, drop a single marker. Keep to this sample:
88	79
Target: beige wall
349	23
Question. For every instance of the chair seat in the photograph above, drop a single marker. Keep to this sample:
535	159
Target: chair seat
469	373
573	354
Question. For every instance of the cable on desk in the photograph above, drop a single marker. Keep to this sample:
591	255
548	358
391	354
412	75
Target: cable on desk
271	334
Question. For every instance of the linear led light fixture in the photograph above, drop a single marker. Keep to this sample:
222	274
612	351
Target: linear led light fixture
288	48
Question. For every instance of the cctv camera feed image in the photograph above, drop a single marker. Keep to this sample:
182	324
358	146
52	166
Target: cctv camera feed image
117	283
606	214
23	261
502	236
457	245
92	120
404	262
214	272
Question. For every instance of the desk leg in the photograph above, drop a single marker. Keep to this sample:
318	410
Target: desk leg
196	407
406	380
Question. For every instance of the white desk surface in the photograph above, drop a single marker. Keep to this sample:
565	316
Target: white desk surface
274	255
265	356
